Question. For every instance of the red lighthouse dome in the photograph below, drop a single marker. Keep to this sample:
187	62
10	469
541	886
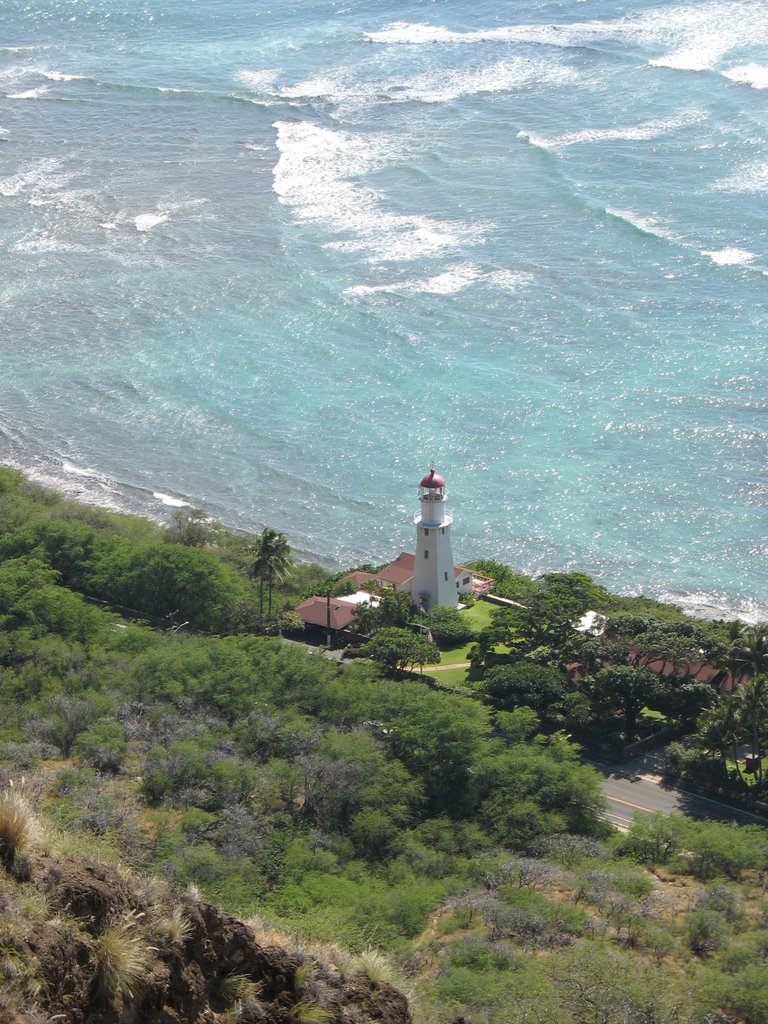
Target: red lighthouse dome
432	479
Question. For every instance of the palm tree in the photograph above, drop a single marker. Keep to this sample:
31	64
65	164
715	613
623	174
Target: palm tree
753	714
272	562
748	653
720	731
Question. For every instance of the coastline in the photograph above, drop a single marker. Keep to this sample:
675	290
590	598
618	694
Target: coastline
89	487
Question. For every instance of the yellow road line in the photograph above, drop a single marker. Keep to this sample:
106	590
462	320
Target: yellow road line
618	800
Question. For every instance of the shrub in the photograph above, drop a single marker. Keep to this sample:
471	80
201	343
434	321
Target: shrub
707	931
449	627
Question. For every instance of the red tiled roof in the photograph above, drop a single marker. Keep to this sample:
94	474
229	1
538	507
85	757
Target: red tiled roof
359	578
399	571
314	612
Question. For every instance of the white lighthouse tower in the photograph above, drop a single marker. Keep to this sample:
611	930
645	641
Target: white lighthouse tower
434	574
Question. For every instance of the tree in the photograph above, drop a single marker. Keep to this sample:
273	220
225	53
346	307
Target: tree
272	562
624	688
449	627
748	653
393	608
524	683
753	716
192	527
103	746
396	649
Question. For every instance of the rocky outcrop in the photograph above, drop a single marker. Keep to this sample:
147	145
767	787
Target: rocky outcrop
99	950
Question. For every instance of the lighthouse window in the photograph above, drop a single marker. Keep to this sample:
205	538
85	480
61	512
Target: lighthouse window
426	533
446	575
426	554
442	529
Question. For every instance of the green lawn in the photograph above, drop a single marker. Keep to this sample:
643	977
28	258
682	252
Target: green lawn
451	676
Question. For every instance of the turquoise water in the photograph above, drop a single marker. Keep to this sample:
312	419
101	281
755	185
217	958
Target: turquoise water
274	260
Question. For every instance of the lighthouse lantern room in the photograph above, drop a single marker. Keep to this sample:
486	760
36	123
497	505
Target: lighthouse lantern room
434	576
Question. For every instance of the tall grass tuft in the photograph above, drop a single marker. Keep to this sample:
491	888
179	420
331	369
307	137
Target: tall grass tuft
19	829
122	960
176	927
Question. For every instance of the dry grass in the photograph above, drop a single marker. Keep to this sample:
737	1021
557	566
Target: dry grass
268	935
19	828
175	927
309	1012
238	988
122	960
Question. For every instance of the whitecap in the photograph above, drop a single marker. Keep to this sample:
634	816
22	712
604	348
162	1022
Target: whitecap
60	76
632	133
430	87
28	94
752	177
419	34
170	500
509	280
70	467
450	281
755	75
147	221
703	605
730	257
259	81
699	55
312	177
46	243
645	225
38	179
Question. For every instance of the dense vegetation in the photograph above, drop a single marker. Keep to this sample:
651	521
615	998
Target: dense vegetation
461	836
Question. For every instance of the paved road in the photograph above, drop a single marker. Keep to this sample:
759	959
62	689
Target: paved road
638	786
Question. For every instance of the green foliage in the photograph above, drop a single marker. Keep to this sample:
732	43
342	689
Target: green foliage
103	746
397	649
449	627
524	684
367	808
654	838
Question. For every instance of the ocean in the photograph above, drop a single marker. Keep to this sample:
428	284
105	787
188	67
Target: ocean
277	259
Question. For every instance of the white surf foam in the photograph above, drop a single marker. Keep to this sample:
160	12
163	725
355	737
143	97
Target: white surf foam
430	87
29	94
716	606
75	470
502	76
699	55
170	500
314	178
730	257
509	280
36	180
147	221
632	133
46	242
418	34
755	75
259	81
752	177
646	225
60	76
454	280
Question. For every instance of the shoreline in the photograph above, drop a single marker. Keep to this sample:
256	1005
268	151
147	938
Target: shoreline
89	487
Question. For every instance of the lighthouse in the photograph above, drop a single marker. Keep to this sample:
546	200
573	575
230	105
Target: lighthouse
434	574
